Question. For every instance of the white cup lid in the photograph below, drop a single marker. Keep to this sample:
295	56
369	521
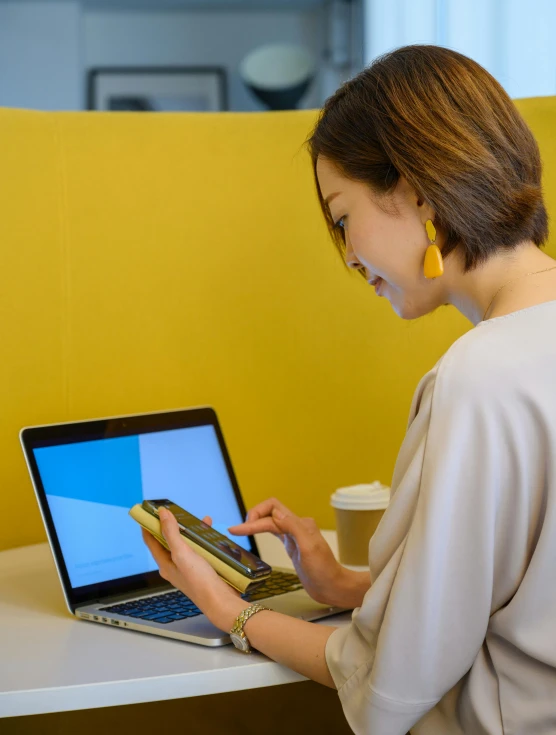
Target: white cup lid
371	496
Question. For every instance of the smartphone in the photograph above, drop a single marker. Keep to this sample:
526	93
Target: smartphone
213	541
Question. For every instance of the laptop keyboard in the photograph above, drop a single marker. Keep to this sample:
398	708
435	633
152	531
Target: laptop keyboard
171	606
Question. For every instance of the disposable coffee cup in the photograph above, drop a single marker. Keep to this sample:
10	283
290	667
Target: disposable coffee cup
358	509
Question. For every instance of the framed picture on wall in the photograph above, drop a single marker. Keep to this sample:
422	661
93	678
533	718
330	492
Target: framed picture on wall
157	89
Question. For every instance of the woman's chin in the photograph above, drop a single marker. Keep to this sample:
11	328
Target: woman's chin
404	309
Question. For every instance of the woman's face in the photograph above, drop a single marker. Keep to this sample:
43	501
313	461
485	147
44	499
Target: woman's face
389	241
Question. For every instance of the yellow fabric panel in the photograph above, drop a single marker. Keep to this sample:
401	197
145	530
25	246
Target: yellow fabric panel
157	261
33	363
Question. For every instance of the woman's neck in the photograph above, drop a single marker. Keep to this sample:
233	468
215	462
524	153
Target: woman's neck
473	292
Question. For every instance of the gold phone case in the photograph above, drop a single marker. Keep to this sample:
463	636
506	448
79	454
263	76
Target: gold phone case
235	579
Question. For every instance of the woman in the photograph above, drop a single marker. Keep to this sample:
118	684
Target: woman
430	182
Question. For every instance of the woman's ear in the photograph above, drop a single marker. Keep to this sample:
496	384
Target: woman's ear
411	194
426	211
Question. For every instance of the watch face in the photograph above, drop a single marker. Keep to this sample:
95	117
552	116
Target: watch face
239	642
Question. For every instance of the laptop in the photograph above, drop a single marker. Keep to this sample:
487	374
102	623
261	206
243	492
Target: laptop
88	474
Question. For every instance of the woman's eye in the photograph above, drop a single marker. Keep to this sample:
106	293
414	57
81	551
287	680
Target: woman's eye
340	222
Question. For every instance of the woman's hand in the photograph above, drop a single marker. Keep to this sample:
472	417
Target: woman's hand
188	571
324	578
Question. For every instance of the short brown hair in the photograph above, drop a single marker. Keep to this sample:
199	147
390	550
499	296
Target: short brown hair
442	121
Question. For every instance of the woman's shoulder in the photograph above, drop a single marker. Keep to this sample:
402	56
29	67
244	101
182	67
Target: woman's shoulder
496	358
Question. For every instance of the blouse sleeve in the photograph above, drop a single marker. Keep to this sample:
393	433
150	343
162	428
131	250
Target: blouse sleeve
432	559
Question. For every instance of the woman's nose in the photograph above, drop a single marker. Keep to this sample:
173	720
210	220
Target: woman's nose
351	260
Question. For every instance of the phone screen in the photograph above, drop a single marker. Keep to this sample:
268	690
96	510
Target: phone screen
212	540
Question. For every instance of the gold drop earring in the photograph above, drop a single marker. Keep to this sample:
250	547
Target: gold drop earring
434	264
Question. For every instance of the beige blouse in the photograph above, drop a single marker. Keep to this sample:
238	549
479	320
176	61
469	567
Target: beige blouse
457	633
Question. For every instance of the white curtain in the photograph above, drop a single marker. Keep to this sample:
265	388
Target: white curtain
515	40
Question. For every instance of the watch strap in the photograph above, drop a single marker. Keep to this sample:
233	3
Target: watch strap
243	617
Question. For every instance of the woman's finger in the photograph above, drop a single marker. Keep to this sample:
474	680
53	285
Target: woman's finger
265	509
171	532
250	527
259	518
160	555
207	520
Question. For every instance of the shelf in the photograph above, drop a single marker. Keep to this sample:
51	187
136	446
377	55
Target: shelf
158	5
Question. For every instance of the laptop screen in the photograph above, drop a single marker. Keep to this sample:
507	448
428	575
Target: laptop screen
89	485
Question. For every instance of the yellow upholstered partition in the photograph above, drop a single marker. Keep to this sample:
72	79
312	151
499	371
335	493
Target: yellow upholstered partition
157	261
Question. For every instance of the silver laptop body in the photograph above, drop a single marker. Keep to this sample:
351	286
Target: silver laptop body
87	474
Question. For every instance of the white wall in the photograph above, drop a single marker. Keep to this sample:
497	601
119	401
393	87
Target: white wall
40	55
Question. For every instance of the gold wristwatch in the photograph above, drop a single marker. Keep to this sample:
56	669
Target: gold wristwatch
239	639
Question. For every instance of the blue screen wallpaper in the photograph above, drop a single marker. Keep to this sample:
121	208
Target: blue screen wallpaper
90	487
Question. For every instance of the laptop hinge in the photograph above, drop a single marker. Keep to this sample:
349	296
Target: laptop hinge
128	595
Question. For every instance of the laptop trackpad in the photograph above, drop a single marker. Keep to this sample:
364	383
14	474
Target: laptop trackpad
298	604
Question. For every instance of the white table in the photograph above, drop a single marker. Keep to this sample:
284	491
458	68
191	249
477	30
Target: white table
52	662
